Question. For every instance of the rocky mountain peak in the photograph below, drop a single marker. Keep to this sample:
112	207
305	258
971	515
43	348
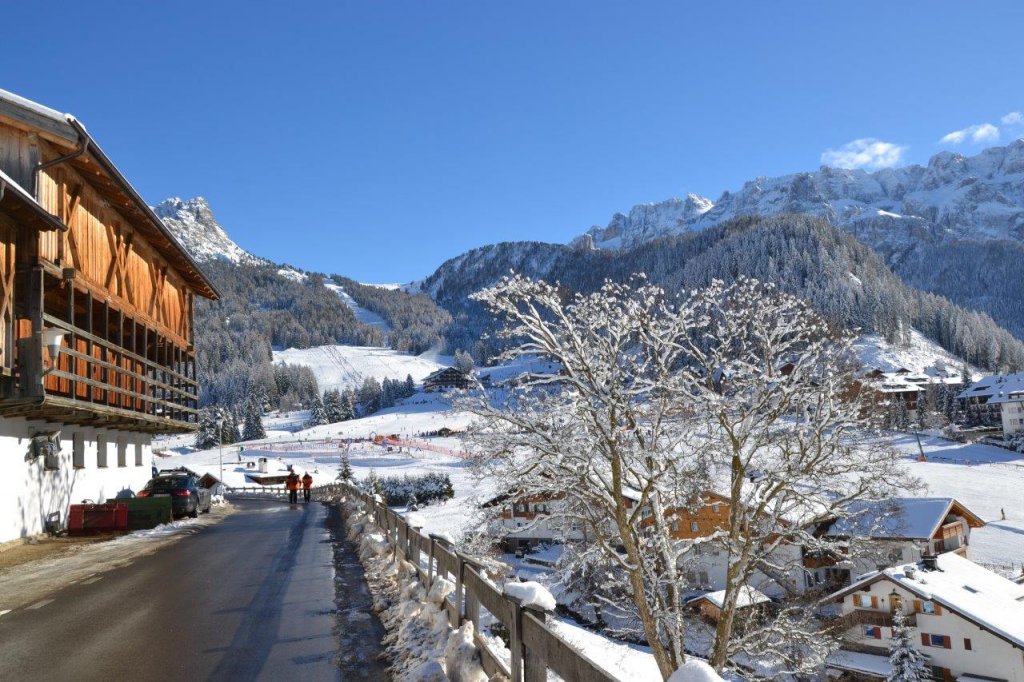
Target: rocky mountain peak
193	223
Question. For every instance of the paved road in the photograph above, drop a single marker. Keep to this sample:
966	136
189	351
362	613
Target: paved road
253	597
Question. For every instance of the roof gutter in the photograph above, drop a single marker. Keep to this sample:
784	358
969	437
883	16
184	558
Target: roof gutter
112	169
83	146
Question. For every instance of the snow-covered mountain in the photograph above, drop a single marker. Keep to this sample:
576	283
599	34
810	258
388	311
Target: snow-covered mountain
195	226
952	198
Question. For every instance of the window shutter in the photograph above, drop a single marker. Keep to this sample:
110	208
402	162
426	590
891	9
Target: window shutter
877	632
924	639
967	644
917	606
938	609
946	642
874	602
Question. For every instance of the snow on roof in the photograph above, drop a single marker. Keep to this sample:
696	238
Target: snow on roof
856	661
986	598
34	107
748	596
996	387
9	185
901	517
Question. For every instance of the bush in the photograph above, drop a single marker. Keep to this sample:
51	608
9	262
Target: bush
425	488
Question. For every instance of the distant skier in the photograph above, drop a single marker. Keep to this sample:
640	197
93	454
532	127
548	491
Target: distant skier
292	483
307	484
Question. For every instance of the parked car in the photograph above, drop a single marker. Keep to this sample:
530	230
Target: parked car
187	496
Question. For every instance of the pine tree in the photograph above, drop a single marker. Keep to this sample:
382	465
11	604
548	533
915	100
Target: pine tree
908	664
346	469
346	408
317	413
463	361
332	405
410	386
253	428
207	436
229	430
902	417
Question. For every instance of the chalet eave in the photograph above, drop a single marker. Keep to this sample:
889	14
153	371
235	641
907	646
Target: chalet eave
65	132
68	411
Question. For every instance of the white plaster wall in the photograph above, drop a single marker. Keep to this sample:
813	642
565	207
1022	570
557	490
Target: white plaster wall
29	492
1013	418
989	655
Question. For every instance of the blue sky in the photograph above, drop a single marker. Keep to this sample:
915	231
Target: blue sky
377	139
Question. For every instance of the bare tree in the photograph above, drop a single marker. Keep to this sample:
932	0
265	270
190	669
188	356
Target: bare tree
604	436
738	389
789	443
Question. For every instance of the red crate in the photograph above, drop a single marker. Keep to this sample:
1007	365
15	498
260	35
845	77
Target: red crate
86	519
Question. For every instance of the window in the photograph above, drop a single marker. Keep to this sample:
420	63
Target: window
873	631
865	601
703	575
675	526
78	451
694	526
101	451
691	578
138	454
122	453
937	641
715	508
967	644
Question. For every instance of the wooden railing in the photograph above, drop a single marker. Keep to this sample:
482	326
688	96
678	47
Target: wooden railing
869	617
123	379
535	646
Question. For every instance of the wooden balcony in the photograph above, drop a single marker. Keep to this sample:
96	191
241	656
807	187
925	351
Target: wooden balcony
112	370
871	617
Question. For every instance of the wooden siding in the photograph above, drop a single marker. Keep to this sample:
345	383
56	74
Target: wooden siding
110	256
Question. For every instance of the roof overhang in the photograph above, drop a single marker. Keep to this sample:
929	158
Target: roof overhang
96	167
18	203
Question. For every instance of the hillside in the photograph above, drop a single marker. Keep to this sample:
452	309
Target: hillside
954	227
850	284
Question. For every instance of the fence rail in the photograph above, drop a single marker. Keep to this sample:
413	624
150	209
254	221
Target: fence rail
535	647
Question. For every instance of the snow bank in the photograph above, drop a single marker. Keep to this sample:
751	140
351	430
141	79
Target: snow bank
420	643
531	594
695	670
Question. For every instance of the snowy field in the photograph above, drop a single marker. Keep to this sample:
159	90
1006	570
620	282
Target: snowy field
340	367
362	314
921	355
985	478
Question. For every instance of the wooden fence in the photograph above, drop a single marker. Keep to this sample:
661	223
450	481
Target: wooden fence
535	647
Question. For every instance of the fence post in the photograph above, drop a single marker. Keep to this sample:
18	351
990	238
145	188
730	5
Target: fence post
414	549
515	638
460	586
535	666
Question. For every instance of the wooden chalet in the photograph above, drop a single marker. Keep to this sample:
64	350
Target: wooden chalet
449	377
88	270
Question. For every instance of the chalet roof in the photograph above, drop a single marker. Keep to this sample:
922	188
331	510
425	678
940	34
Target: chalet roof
23	205
748	596
900	518
963	587
446	372
997	387
65	129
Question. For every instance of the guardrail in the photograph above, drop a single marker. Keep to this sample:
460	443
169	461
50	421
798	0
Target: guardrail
535	647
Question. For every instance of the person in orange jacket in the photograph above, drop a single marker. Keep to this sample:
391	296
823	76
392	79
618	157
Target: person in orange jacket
292	483
307	484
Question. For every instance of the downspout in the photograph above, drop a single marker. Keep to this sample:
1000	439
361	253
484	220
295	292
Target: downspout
83	146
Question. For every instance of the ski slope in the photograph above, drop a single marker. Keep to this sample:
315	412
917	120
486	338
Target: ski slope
341	367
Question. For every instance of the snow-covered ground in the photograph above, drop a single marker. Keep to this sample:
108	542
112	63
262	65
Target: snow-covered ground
921	355
340	367
362	314
988	480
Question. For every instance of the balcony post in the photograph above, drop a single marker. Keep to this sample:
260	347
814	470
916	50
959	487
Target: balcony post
31	349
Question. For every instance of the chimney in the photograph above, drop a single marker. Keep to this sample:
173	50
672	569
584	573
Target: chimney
930	562
909	571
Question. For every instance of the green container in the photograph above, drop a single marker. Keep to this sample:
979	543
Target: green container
148	512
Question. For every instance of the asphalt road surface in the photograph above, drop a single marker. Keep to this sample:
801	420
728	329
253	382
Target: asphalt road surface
270	593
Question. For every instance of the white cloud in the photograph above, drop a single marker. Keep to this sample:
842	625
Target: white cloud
1013	118
982	132
867	153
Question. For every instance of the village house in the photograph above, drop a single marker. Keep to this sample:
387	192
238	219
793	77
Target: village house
967	620
996	399
889	532
446	378
96	311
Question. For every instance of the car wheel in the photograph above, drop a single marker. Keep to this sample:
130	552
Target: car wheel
195	512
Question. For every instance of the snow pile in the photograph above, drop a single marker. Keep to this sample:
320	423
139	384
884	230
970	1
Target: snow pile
415	520
531	594
695	670
420	642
